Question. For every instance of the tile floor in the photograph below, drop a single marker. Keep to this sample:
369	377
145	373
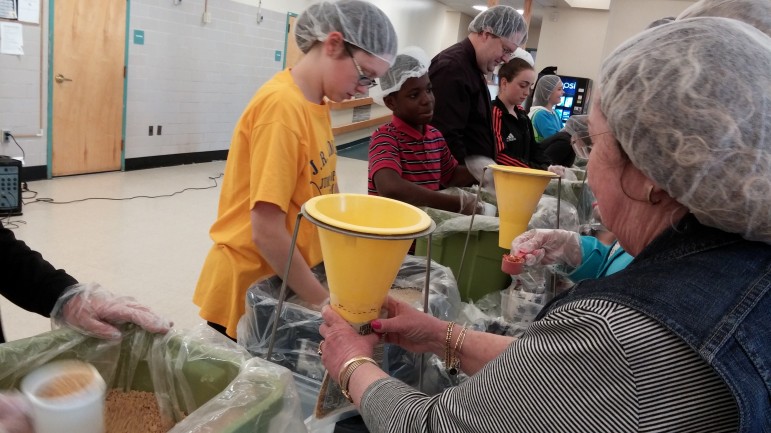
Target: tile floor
151	249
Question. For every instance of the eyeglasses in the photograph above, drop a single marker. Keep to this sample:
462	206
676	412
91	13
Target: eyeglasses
506	51
582	144
364	80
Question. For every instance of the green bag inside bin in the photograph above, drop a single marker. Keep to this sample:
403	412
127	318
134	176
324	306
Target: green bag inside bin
198	372
481	273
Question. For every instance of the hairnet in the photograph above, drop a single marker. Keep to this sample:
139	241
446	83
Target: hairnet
520	53
411	62
578	128
577	125
361	23
502	21
756	13
543	89
691	112
660	22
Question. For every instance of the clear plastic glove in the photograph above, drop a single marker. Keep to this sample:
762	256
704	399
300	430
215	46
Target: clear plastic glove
548	246
93	311
15	414
469	204
558	170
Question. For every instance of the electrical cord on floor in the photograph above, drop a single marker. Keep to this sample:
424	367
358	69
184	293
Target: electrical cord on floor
47	200
23	155
8	224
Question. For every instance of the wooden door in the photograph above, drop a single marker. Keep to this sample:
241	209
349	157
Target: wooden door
292	52
89	39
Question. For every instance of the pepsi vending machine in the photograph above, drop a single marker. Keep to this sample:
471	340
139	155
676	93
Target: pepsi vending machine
576	97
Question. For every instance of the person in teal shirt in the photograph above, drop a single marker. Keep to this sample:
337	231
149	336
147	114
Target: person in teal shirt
547	94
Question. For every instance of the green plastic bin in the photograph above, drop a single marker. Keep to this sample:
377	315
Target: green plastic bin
482	265
202	377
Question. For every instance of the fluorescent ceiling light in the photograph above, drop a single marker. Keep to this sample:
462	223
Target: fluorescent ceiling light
589	4
480	7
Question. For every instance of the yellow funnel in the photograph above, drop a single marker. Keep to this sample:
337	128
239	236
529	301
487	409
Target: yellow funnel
518	191
363	240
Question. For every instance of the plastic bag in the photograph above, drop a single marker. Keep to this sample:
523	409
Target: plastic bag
185	370
297	334
545	215
575	192
523	300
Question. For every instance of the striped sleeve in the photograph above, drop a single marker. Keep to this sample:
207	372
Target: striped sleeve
383	153
589	366
449	164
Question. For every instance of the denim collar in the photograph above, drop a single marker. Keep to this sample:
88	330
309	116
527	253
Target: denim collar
687	236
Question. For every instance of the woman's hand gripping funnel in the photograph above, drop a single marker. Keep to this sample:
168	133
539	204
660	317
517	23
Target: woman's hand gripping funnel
364	240
518	191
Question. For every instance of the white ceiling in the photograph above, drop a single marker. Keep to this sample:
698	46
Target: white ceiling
540	7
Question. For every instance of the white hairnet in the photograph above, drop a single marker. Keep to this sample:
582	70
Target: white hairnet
543	89
577	125
520	53
578	128
688	104
756	13
660	22
361	23
502	21
411	62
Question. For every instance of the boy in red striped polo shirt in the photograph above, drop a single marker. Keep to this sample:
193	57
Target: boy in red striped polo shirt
409	159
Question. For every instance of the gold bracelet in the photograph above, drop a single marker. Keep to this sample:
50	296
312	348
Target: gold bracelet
347	371
448	345
455	367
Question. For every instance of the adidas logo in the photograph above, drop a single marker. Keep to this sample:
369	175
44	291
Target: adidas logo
511	137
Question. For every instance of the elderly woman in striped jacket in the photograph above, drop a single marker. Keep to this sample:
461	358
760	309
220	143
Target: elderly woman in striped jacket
679	340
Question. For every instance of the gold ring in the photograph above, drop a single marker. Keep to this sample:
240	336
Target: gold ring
319	351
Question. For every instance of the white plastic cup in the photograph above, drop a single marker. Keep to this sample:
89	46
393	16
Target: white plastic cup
80	410
489	209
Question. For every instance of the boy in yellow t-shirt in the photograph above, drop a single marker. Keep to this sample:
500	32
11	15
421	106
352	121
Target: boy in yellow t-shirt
282	153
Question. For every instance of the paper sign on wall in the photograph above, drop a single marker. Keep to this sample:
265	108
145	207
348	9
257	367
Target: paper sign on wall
29	11
11	39
8	9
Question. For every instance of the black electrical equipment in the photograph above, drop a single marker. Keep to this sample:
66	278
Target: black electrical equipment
10	186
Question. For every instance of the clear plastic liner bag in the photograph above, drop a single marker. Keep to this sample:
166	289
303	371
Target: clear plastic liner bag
297	334
510	311
201	380
443	295
272	287
298	338
449	223
525	297
575	192
545	215
476	319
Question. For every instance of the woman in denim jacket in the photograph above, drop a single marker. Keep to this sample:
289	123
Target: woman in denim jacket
679	340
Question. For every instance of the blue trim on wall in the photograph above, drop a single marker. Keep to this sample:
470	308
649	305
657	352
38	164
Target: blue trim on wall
353	143
125	89
286	39
50	109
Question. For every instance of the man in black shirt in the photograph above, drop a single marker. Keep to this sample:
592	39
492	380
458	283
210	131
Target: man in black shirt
463	102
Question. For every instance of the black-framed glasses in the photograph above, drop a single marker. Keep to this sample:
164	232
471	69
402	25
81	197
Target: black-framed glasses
506	51
364	80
